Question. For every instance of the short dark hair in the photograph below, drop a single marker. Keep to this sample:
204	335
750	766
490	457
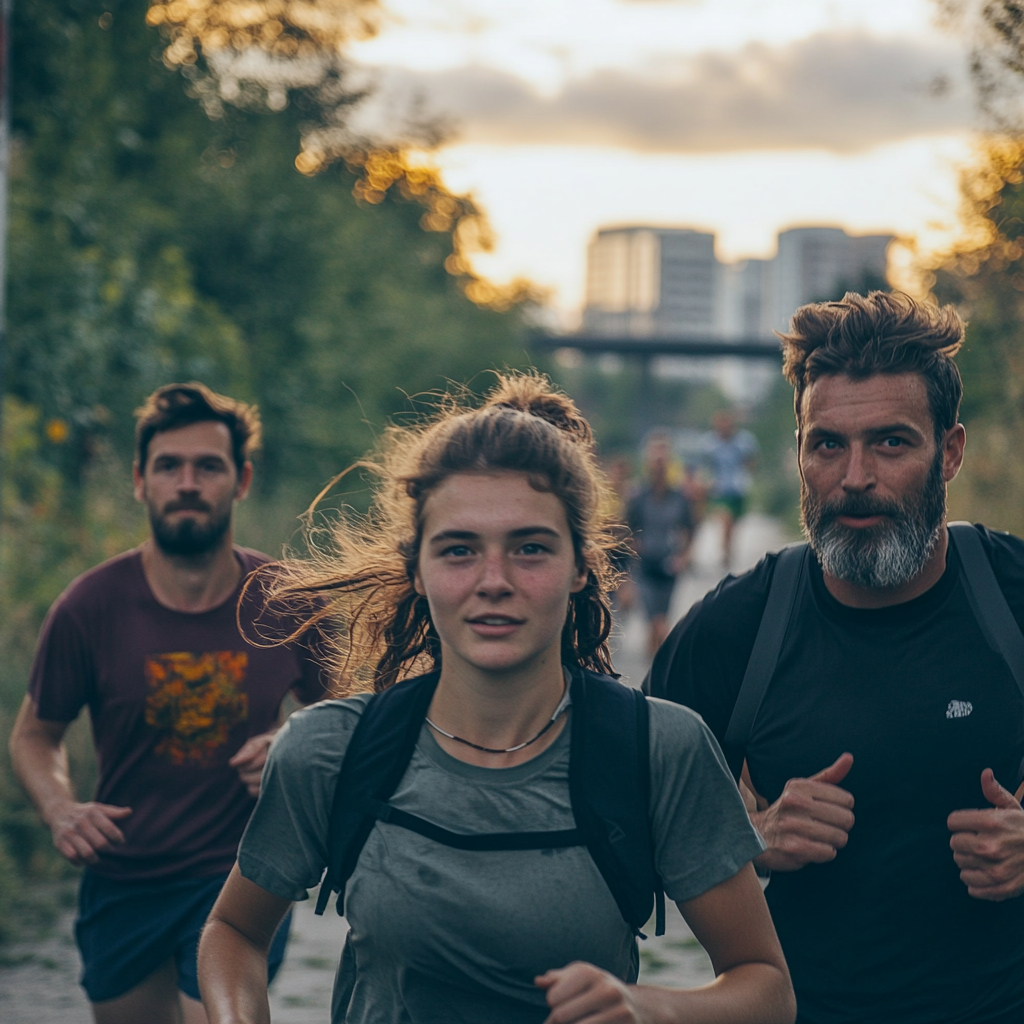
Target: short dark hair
882	332
180	405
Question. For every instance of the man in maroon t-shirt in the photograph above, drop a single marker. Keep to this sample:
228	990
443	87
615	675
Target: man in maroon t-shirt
183	710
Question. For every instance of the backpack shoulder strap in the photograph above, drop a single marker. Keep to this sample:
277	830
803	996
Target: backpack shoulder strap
789	568
609	784
987	599
375	761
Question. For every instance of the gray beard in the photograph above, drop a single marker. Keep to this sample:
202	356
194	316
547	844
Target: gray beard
884	557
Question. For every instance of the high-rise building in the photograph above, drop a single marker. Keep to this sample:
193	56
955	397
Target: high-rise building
743	298
650	281
814	264
644	282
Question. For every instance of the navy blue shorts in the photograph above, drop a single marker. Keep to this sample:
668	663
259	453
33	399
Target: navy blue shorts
126	930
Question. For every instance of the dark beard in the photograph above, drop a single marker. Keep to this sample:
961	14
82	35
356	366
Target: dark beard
189	538
885	556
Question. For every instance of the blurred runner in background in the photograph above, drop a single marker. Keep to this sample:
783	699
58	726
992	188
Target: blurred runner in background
661	522
730	454
183	710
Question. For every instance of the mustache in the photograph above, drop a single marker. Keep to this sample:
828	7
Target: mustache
187	505
859	505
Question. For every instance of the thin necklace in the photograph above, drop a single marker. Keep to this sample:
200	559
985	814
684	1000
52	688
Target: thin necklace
562	705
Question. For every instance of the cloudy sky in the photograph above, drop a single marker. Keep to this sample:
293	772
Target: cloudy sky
738	116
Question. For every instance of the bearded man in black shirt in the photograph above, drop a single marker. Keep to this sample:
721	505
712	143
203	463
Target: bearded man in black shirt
882	759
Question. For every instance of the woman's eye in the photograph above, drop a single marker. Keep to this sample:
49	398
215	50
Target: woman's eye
533	548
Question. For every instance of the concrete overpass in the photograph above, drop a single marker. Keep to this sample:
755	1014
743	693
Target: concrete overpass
649	347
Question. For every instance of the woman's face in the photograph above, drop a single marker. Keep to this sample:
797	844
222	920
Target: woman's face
497	567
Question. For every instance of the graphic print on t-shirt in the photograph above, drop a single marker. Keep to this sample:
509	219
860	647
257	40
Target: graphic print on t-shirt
196	699
959	709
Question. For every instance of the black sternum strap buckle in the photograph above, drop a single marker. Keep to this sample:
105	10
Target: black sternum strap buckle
385	812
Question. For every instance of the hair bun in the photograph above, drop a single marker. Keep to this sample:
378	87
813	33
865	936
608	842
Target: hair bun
535	395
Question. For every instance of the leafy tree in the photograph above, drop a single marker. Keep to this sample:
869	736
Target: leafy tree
994	31
983	274
150	241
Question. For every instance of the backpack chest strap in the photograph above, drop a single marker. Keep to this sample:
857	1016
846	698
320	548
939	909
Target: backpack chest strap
384	812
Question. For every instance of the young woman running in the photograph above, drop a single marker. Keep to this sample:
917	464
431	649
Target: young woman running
484	556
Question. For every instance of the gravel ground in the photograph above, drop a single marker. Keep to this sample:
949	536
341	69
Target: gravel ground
39	979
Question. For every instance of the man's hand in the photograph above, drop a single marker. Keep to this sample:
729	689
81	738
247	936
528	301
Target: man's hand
82	831
251	758
584	993
988	844
809	823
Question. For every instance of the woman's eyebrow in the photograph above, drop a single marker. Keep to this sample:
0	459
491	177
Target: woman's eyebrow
522	531
528	531
454	535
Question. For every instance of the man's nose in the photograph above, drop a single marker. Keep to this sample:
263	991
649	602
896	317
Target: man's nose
859	472
187	478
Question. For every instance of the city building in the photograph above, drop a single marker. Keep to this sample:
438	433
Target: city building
645	281
813	264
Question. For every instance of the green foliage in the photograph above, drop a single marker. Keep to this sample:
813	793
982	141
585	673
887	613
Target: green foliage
150	243
46	539
984	277
777	482
623	403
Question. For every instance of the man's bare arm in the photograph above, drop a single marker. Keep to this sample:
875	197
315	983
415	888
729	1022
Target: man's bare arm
80	830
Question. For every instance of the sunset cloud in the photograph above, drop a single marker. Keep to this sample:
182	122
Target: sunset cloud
838	91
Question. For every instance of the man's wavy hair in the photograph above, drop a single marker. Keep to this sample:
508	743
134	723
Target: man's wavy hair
180	405
882	332
355	587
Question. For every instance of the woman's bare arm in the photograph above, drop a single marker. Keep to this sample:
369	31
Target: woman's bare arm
731	921
233	952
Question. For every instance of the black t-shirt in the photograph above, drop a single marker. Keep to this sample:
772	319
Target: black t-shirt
886	932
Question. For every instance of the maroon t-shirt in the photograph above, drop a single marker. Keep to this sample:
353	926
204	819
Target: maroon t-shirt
172	696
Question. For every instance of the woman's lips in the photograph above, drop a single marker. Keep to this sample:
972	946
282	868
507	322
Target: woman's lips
494	626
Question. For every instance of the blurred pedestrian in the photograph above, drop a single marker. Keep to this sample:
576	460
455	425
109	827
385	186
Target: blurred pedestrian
183	710
661	524
730	454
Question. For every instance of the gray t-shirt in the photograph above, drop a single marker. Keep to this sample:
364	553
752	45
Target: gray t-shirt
439	934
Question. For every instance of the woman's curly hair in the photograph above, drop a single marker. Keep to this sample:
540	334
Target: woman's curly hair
358	587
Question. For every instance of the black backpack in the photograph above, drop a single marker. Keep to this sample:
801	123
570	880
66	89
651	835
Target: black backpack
983	593
609	783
